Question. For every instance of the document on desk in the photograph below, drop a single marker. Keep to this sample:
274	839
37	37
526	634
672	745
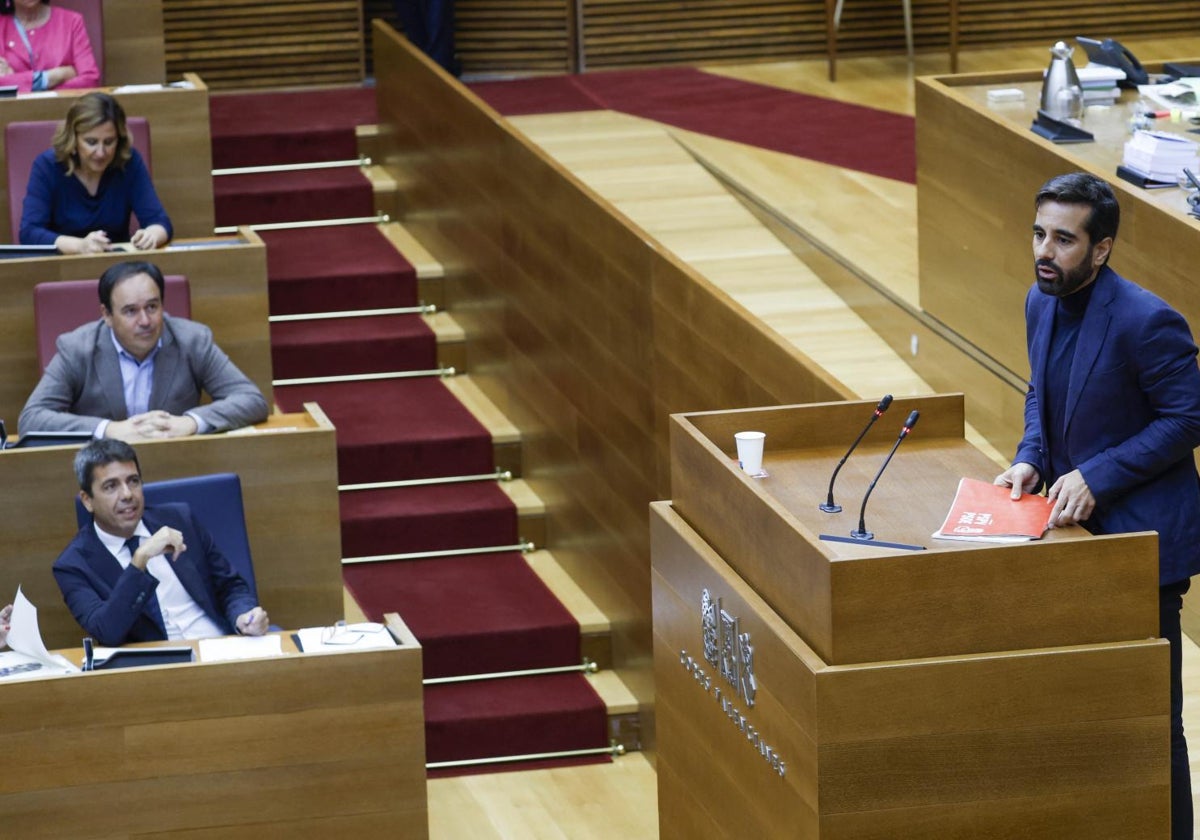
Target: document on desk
1182	94
343	637
227	648
25	639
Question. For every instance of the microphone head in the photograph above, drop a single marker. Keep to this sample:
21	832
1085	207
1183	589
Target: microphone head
883	404
912	419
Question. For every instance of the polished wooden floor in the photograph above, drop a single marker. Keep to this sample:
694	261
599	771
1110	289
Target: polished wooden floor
667	181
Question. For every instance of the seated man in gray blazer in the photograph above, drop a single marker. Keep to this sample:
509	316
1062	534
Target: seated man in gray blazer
137	373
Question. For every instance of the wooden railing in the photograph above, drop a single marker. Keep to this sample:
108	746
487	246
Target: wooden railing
583	330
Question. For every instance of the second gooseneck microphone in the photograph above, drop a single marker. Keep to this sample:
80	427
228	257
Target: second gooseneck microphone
862	533
828	505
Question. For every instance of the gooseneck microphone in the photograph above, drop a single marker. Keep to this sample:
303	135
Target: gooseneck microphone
828	506
862	533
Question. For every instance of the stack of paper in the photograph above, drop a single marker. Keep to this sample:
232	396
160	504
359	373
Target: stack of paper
1160	156
1099	83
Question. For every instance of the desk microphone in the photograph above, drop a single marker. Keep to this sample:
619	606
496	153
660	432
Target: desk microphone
862	533
828	506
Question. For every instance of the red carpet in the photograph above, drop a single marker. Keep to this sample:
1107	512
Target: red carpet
849	136
259	129
397	429
270	197
558	711
435	517
342	346
336	268
474	614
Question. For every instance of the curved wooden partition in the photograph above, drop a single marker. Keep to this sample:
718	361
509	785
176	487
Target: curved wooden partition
580	327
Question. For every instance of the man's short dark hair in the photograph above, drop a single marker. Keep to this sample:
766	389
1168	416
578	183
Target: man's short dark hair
1085	188
123	271
97	454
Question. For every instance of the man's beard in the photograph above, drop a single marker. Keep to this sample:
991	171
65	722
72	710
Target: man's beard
1068	283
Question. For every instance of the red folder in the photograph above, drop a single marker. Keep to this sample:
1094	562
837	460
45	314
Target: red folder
984	512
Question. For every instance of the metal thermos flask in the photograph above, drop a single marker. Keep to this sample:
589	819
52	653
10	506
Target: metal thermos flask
1062	95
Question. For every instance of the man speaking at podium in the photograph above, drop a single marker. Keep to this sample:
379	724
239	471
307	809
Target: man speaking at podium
1112	413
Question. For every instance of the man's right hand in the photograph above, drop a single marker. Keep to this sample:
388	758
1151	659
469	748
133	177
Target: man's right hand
1021	477
163	541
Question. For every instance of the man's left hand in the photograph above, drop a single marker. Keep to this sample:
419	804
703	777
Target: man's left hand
253	623
1073	500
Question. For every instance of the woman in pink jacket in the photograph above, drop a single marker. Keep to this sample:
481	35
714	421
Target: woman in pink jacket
43	48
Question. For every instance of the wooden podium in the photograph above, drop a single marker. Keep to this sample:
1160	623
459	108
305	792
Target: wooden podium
817	689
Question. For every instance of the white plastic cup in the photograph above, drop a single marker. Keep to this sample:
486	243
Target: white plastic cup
750	451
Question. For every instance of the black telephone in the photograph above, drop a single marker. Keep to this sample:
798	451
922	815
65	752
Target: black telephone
1111	53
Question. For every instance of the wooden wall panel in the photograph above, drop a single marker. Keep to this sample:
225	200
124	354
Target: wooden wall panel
579	327
133	42
541	36
281	44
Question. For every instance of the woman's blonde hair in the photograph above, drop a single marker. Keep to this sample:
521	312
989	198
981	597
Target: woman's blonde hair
91	111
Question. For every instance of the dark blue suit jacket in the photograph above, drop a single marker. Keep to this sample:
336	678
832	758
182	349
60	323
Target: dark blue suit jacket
1132	416
116	605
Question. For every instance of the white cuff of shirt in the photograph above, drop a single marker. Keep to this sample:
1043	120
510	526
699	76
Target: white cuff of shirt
201	426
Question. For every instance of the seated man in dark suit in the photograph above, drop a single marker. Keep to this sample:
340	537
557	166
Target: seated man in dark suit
137	374
139	575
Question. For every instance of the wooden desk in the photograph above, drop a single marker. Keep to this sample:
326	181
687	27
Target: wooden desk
228	285
978	169
289	486
181	148
962	691
303	745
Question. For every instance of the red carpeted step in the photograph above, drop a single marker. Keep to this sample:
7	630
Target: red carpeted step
334	268
342	346
516	716
394	429
292	196
436	517
257	129
472	613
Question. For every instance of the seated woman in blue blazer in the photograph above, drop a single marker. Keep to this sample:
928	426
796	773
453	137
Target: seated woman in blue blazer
83	190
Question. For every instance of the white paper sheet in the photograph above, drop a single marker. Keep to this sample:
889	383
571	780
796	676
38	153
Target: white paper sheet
25	638
227	648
